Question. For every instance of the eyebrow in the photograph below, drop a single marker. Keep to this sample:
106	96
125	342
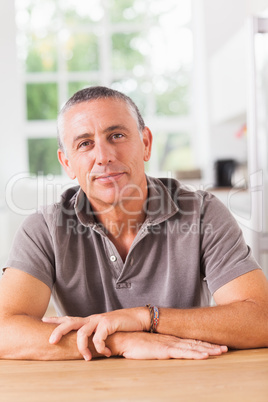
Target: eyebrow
80	137
115	127
105	131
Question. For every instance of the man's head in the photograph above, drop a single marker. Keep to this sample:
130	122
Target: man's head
104	144
95	93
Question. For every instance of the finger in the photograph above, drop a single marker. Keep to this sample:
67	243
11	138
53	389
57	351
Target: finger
198	342
82	341
63	329
82	344
101	347
99	339
212	345
213	348
179	353
88	328
195	342
200	346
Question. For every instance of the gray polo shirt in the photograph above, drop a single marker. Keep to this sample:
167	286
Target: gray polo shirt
188	247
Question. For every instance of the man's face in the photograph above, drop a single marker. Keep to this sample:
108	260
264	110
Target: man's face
104	150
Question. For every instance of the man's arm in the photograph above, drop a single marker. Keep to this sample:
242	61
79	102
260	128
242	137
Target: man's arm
23	302
240	319
23	335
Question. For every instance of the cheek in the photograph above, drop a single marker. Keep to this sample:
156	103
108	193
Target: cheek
82	164
83	159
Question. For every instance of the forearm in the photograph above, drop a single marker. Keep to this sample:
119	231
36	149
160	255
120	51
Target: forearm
238	325
23	337
26	338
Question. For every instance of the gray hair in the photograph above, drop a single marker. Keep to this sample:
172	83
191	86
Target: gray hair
95	93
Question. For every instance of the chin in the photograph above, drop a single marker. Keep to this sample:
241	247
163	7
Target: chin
104	198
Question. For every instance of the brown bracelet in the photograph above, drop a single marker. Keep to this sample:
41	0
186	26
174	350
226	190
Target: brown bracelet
154	317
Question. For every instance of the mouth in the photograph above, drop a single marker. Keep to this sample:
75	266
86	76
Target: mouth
108	177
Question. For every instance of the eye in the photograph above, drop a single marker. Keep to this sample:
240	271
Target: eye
85	144
117	136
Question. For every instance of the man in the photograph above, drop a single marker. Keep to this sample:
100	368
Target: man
121	241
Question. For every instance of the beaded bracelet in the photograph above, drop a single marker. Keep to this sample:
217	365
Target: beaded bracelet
154	317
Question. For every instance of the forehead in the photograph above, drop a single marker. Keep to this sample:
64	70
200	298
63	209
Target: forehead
99	112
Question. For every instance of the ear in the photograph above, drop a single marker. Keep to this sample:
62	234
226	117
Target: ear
64	161
147	141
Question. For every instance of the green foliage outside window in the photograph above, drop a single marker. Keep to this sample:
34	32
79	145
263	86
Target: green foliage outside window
174	151
172	96
80	12
125	51
67	47
42	101
81	52
43	156
133	89
77	86
127	10
42	53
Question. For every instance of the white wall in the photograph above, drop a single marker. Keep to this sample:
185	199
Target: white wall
12	150
256	6
226	46
13	147
222	20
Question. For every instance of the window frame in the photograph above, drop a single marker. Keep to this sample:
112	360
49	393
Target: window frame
105	76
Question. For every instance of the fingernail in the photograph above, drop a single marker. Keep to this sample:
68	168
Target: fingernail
86	358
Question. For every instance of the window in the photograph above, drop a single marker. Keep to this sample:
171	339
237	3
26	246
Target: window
42	153
143	48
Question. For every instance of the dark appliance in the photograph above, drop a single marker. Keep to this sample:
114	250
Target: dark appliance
224	170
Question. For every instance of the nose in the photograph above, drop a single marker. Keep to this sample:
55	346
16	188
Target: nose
103	153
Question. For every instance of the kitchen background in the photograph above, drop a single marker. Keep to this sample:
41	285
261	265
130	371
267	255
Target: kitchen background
188	64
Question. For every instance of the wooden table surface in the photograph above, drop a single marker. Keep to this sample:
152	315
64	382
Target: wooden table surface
236	376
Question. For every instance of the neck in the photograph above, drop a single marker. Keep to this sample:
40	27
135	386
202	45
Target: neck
120	226
124	216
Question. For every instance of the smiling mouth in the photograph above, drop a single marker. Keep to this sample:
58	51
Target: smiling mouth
109	177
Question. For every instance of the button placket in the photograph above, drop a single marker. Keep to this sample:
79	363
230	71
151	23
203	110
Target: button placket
114	261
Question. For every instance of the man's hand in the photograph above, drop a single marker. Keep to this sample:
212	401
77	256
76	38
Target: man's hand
144	345
132	343
103	325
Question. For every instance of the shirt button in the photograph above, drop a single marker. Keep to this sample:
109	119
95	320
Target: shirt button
113	258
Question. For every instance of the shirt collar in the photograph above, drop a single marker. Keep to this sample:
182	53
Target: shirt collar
83	209
158	207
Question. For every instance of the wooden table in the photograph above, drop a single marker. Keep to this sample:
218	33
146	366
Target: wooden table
236	376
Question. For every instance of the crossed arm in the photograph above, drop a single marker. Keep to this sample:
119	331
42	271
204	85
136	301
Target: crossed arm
240	320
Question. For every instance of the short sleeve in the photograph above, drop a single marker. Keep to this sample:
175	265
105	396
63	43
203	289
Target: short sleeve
224	253
32	250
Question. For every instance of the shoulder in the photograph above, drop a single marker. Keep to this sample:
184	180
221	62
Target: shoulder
176	187
185	197
64	207
49	216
